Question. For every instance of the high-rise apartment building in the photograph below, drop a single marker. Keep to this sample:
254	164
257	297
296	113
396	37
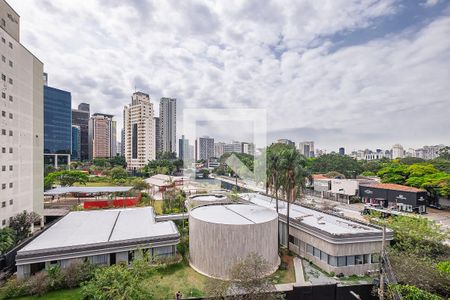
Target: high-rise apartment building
248	148
21	122
205	148
122	142
102	136
76	143
219	149
397	151
233	147
286	142
183	148
341	151
57	126
158	148
306	148
80	117
139	126
168	124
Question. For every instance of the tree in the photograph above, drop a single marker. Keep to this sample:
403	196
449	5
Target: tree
119	282
248	281
65	178
444	153
140	184
6	239
343	164
293	178
21	224
205	173
118	173
410	292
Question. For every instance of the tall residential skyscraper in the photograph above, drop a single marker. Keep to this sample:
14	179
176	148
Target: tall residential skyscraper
233	147
122	142
306	148
205	148
248	148
139	128
57	126
76	143
183	148
102	136
397	151
168	124
342	151
22	122
218	149
157	135
80	117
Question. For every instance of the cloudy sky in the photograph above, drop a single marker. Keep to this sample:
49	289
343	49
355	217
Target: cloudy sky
358	74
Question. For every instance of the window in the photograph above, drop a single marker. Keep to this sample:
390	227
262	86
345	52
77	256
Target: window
3	95
11	64
3	131
3	40
3	58
11	150
332	260
324	256
10	45
3	22
11	116
309	249
10	81
3	168
11	185
10	133
3	222
359	259
10	167
350	260
316	252
3	149
366	258
3	203
3	77
11	98
11	201
3	113
341	261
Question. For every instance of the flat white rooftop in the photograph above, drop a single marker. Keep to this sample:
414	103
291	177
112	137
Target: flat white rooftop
84	228
328	223
209	197
87	190
234	214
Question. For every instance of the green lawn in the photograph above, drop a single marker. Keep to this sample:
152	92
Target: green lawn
74	294
177	277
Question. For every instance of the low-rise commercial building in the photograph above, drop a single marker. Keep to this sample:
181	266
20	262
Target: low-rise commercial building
103	237
333	243
400	197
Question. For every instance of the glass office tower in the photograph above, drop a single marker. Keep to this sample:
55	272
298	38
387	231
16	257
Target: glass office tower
57	123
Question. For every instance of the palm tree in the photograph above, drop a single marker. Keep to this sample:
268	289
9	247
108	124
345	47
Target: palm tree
293	177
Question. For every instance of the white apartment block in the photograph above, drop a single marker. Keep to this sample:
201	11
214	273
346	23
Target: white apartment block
139	129
21	122
168	124
218	149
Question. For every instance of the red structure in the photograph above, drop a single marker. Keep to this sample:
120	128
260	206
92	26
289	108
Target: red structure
124	202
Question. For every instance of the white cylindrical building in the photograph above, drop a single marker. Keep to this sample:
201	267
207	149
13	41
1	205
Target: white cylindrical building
222	235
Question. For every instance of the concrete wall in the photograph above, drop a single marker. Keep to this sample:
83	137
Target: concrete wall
344	186
215	248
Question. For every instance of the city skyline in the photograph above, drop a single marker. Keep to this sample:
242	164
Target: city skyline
296	68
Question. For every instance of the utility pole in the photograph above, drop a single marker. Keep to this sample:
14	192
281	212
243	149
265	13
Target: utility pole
382	269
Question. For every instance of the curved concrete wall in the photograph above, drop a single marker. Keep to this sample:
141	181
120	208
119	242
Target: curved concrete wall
215	248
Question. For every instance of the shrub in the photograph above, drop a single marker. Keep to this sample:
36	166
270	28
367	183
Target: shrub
39	284
77	273
14	288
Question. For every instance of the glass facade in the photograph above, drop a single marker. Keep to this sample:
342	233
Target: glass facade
80	117
76	143
57	121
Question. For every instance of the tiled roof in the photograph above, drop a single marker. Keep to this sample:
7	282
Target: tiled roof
395	187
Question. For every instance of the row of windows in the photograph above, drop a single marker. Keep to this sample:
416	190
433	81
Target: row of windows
337	261
4	114
11	185
10	80
4	168
11	202
9	62
11	150
10	132
10	97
